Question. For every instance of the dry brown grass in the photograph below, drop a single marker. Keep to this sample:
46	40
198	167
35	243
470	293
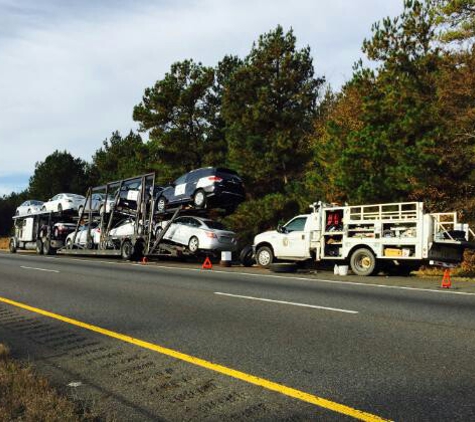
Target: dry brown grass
4	242
27	397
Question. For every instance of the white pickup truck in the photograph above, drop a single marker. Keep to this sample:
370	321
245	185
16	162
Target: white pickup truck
367	237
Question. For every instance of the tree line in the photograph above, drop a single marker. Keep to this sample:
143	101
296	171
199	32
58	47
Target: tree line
401	129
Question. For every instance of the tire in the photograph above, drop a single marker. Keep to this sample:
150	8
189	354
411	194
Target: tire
60	208
69	244
79	210
284	267
199	199
12	246
363	262
193	244
246	258
127	250
56	233
43	208
47	250
28	211
161	205
39	247
17	213
101	209
264	256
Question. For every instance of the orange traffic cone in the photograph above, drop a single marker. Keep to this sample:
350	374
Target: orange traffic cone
144	260
207	265
446	282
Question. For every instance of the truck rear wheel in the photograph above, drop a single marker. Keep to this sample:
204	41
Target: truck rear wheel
47	249
39	247
264	256
363	262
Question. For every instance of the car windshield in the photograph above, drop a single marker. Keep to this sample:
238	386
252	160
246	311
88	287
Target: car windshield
73	195
214	225
36	202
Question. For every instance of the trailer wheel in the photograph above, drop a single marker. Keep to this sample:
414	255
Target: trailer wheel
246	256
199	199
193	244
127	250
264	256
363	262
39	247
12	246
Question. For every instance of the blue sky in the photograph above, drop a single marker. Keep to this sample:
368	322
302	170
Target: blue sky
71	71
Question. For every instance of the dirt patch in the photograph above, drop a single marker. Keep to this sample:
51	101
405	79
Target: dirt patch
4	242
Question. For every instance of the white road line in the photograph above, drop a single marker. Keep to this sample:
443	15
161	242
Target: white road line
39	269
283	302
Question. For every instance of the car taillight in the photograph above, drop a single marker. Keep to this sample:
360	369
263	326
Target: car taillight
211	235
215	179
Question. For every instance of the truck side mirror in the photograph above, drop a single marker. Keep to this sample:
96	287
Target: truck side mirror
281	229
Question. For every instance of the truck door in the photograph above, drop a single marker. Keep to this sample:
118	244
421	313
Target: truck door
294	240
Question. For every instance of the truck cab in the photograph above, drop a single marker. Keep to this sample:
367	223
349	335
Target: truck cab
290	241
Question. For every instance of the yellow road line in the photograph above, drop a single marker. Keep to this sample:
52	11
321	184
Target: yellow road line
251	379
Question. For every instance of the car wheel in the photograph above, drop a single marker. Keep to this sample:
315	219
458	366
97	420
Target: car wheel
17	213
60	208
12	246
246	257
39	247
43	208
193	244
161	205
363	262
79	210
56	232
127	250
199	199
264	256
101	209
69	244
28	211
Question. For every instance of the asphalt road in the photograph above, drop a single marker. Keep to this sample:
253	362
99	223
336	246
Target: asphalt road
399	354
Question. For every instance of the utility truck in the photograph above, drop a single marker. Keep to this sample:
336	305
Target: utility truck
368	237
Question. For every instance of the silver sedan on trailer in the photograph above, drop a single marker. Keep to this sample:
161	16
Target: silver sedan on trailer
200	234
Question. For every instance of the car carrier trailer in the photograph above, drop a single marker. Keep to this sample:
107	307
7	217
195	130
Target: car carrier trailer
368	237
138	205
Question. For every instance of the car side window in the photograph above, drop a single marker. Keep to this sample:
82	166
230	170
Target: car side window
194	223
180	180
297	224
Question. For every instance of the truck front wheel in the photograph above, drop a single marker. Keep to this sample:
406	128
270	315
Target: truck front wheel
363	262
264	256
12	246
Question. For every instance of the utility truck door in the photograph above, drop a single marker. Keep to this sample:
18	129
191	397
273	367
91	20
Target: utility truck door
294	240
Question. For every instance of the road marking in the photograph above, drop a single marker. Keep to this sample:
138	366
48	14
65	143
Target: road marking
39	269
233	373
283	302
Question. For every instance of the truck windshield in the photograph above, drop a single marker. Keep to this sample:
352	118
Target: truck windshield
298	224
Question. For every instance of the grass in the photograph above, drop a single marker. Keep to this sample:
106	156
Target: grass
26	397
4	242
